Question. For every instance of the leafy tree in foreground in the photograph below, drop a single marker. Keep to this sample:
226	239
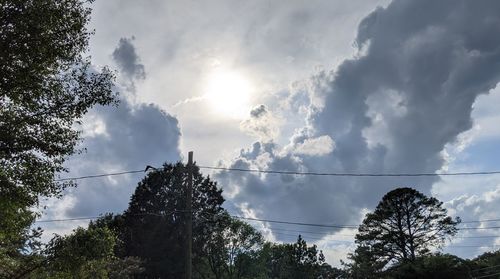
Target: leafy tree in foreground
404	225
46	86
155	220
86	253
297	260
229	250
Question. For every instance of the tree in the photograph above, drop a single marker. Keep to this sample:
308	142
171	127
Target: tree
404	225
230	249
433	266
297	260
486	264
85	253
46	86
155	220
364	263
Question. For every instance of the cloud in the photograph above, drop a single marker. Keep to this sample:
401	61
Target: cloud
390	109
484	206
131	138
127	137
315	146
261	124
258	111
127	59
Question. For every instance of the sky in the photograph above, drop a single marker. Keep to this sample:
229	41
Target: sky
307	86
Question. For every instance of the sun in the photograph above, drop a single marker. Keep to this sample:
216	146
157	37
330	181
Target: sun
228	93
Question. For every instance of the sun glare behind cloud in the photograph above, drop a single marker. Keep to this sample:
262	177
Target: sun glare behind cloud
228	93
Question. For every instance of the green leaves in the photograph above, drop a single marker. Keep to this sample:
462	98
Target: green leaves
231	247
46	86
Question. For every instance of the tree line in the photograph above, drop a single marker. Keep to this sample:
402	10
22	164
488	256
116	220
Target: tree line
47	84
148	240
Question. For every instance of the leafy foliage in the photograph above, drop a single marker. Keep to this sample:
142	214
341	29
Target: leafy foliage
404	225
487	264
296	260
155	220
46	86
433	266
86	253
364	263
229	250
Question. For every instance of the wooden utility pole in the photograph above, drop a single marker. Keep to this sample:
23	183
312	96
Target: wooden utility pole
189	219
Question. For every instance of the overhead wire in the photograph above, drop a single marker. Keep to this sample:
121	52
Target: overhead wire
352	235
98	175
351	174
299	223
278	233
347	174
303	173
486	276
484	268
263	220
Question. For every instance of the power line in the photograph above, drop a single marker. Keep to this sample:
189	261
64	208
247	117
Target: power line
98	175
480	221
339	226
97	217
312	237
489	275
489	267
351	235
298	223
351	174
309	232
472	246
277	233
296	173
479	228
481	236
265	220
67	219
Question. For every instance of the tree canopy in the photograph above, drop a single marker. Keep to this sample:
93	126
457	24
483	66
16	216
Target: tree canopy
155	220
231	248
46	86
404	225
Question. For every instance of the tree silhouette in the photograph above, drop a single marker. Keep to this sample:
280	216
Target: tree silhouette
154	222
404	225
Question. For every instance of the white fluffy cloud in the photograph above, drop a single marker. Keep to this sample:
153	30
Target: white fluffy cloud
261	124
473	207
391	109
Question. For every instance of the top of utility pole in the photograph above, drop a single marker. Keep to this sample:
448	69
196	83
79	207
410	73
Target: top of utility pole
189	219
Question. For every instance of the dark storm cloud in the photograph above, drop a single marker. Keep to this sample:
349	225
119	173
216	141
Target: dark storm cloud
127	59
391	109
